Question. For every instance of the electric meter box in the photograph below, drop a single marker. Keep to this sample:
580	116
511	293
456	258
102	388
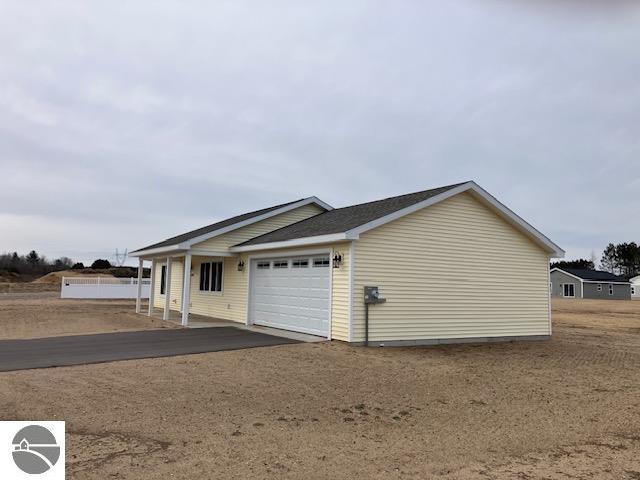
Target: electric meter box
372	295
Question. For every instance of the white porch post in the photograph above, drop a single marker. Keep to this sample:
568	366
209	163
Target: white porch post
167	291
186	290
152	286
139	289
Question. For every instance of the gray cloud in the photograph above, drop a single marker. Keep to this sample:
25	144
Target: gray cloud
122	125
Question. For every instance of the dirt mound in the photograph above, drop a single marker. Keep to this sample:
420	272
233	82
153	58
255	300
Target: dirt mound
56	277
11	277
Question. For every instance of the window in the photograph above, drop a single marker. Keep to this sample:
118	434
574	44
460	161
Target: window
610	289
211	277
633	290
163	280
205	276
599	287
300	263
281	264
263	265
321	262
568	290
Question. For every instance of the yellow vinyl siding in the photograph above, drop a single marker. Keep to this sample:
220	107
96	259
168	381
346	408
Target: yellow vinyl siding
340	294
230	304
177	277
452	270
226	240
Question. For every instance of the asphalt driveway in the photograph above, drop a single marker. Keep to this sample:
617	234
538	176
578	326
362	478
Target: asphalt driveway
109	347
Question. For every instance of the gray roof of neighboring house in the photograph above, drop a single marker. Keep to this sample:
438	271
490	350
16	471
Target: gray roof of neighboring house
340	220
596	275
213	227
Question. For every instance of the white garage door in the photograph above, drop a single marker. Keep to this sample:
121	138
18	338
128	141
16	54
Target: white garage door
291	293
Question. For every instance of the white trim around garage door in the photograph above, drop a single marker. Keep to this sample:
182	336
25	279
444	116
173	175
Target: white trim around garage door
352	250
293	253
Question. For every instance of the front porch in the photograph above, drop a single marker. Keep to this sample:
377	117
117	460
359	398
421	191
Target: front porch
174	294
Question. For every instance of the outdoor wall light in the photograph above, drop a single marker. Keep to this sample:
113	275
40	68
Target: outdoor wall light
241	265
337	260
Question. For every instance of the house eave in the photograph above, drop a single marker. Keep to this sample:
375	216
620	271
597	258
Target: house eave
169	250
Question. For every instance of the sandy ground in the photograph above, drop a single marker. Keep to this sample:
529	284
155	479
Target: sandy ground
43	315
565	408
9	288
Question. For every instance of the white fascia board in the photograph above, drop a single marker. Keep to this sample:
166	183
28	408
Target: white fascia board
319	202
169	249
264	216
554	249
606	282
298	242
567	273
211	253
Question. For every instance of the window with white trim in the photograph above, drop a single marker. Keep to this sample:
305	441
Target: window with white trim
163	280
611	289
599	287
263	265
211	276
320	262
300	263
633	290
568	290
281	264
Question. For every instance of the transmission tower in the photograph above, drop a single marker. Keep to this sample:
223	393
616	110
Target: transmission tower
120	258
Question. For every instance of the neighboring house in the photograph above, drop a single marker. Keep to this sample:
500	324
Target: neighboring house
635	287
574	283
453	264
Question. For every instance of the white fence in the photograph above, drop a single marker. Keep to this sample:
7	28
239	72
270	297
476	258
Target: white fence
103	287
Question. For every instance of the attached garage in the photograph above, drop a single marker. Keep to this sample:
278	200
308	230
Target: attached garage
303	266
292	293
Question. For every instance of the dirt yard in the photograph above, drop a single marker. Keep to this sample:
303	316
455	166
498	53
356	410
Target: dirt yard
565	408
45	315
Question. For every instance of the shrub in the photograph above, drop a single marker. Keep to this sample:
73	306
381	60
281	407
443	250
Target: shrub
101	263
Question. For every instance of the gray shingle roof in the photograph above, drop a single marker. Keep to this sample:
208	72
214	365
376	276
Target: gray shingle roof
597	275
340	220
213	227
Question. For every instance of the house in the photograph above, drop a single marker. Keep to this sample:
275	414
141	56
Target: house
453	263
635	287
575	283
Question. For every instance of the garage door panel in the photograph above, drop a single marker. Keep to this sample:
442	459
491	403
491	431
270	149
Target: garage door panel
291	298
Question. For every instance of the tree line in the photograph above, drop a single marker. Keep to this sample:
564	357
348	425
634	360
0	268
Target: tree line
35	264
620	259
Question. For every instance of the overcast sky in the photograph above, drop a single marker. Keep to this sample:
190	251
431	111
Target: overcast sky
121	125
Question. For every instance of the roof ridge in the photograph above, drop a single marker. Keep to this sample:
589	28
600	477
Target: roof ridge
453	185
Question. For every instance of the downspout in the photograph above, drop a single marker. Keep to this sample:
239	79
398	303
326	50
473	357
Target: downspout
366	324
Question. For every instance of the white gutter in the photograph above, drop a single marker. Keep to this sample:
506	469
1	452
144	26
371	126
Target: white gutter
170	249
